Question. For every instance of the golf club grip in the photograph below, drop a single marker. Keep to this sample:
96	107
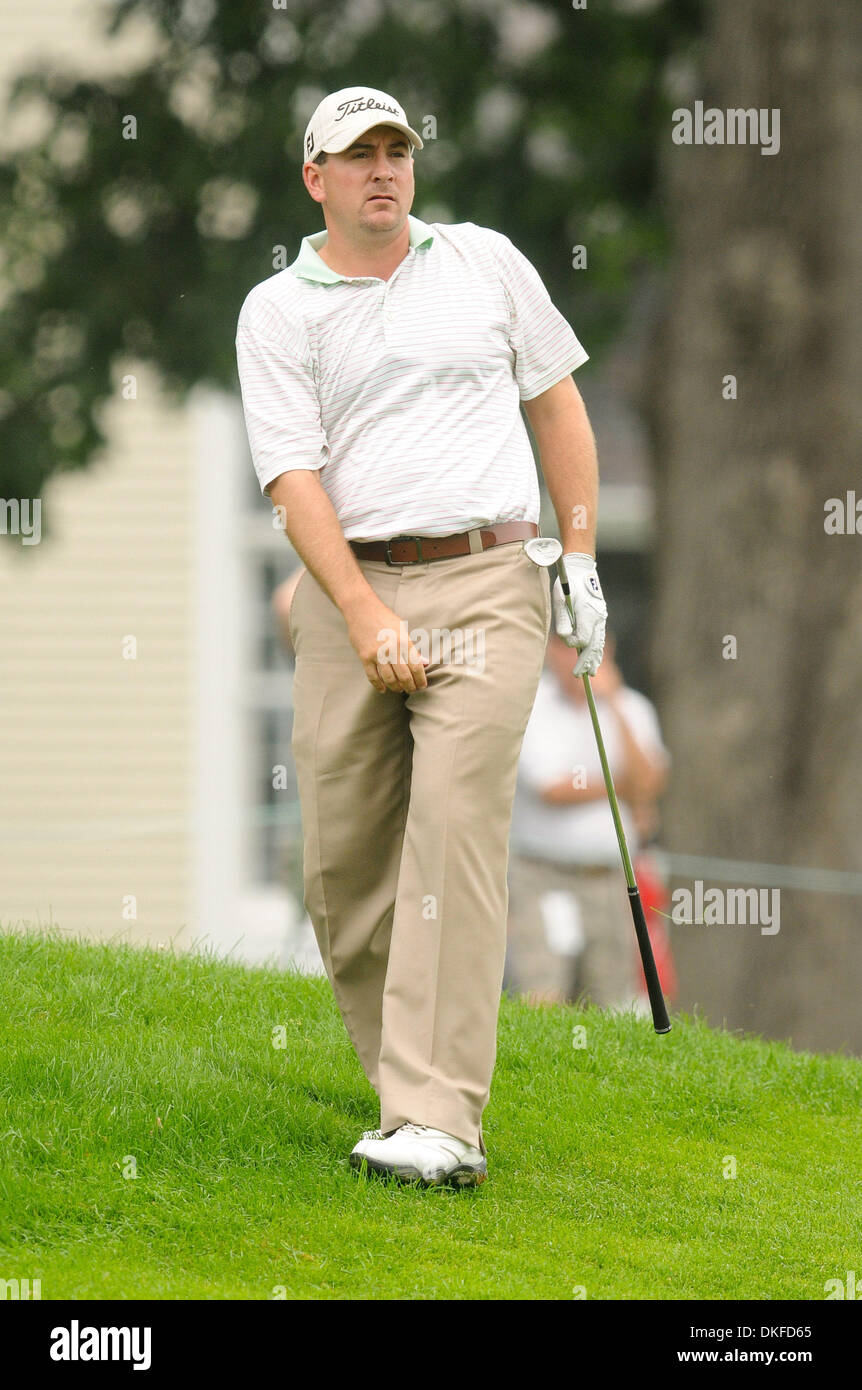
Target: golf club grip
661	1022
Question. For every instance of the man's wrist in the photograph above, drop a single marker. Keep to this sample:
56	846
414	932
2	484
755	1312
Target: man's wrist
351	600
578	540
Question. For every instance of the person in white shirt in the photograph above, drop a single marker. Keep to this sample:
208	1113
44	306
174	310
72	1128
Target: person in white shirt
382	378
570	929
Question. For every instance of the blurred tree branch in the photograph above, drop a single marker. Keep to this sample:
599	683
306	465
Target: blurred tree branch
143	248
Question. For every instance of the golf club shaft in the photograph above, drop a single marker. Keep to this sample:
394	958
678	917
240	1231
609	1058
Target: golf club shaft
661	1022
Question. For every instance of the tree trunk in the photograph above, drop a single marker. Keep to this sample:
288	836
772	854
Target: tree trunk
765	286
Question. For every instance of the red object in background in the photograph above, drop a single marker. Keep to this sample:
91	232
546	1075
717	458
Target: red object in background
655	900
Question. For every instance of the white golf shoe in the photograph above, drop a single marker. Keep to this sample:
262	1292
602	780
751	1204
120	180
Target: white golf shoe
417	1153
369	1134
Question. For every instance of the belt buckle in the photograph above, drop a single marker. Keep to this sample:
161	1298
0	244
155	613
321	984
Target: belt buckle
420	558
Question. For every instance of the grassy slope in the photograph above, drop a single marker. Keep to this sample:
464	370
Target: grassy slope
605	1162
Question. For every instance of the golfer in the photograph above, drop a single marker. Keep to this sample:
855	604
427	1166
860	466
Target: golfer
382	375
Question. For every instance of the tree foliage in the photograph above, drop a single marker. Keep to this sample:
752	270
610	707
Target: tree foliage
547	118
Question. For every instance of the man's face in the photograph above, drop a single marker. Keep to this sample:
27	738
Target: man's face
561	659
369	187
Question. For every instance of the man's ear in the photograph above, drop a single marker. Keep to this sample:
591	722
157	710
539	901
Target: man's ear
312	177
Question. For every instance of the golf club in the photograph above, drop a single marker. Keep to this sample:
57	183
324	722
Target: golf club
546	551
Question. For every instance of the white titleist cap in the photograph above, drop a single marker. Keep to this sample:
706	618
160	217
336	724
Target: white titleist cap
343	116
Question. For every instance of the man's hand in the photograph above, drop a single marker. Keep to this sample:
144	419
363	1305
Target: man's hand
379	636
590	612
381	641
608	681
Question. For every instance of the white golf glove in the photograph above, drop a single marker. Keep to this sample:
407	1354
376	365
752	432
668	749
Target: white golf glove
590	610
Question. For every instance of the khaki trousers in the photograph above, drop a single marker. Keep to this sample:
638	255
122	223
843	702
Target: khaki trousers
406	803
604	969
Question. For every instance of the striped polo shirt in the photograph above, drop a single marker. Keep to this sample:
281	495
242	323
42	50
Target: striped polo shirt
404	393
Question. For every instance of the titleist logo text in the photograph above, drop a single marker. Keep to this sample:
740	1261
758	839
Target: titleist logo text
349	108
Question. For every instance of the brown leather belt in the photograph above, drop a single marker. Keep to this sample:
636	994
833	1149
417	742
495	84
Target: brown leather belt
416	550
576	870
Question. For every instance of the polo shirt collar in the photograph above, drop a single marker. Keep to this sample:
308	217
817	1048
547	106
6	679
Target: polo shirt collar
309	266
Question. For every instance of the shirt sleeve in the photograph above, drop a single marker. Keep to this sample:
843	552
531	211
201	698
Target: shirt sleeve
544	344
538	766
643	722
280	402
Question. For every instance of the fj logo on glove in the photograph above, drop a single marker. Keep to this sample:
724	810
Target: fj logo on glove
594	585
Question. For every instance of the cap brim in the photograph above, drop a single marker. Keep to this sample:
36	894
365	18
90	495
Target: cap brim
336	147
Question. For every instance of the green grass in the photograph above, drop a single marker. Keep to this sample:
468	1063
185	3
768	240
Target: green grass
606	1163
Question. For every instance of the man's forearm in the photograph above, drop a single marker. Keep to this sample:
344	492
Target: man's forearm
567	449
565	793
315	533
643	777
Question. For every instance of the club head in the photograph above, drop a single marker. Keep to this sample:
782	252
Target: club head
543	550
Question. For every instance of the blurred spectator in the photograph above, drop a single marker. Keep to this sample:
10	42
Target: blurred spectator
570	926
281	601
